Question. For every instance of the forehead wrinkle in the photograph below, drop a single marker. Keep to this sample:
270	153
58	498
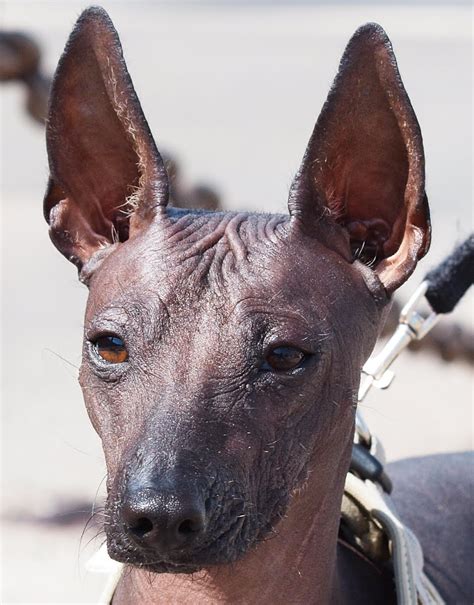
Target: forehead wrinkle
211	246
199	235
218	257
236	244
202	230
201	244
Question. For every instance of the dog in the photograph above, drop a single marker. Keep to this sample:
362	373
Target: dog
222	350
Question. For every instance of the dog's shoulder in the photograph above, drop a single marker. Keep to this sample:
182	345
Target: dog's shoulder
433	496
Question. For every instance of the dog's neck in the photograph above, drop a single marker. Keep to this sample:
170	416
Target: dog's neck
294	565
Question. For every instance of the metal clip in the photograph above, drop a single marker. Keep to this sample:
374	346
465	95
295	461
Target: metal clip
412	326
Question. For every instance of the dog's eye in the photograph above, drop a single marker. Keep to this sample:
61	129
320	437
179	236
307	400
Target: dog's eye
283	359
111	348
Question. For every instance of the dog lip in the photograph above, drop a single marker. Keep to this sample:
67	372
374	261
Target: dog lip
145	560
167	567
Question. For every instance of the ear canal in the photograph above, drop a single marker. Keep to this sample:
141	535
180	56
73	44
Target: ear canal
362	176
107	177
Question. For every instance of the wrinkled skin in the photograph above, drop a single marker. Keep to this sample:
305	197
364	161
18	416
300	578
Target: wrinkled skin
211	448
198	299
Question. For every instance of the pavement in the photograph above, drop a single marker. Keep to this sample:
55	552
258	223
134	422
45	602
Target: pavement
233	91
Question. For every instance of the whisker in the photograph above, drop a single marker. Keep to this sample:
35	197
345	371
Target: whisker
62	358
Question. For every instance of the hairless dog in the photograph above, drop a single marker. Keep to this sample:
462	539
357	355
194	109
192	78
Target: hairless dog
222	351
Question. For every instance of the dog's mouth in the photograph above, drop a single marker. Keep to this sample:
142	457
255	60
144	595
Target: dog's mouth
225	545
214	522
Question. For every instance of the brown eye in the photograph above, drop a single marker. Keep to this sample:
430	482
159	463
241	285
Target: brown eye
283	359
111	348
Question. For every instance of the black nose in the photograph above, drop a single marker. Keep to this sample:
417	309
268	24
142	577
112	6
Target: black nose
164	521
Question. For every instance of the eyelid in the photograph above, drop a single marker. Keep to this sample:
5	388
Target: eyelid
291	343
105	328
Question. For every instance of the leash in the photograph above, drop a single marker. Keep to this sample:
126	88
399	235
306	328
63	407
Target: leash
438	294
442	288
367	512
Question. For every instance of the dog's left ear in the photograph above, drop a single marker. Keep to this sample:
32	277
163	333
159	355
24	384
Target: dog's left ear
361	183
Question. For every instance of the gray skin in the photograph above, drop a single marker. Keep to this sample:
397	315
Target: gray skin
211	446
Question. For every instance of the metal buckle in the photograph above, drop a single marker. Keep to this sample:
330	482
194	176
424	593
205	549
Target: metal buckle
412	326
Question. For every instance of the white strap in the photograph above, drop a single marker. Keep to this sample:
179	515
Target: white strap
412	585
100	562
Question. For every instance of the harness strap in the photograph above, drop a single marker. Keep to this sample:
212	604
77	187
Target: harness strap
101	563
412	585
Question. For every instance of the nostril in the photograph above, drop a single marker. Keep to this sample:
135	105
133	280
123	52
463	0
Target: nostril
188	526
141	527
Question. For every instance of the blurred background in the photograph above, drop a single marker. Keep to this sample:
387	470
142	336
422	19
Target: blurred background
232	90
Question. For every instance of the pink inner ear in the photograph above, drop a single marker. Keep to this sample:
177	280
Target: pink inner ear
373	209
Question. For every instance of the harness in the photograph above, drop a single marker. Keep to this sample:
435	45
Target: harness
370	522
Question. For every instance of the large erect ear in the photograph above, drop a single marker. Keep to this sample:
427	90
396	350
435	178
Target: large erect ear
107	177
364	165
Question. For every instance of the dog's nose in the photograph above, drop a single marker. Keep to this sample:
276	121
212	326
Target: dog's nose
165	522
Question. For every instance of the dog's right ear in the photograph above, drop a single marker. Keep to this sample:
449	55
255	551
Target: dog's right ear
107	177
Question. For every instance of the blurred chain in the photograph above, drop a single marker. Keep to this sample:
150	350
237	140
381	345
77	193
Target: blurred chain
20	59
183	196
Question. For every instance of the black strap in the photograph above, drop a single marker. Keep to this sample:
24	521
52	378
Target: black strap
367	466
450	280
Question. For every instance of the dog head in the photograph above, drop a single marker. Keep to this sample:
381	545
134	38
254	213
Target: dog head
222	351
